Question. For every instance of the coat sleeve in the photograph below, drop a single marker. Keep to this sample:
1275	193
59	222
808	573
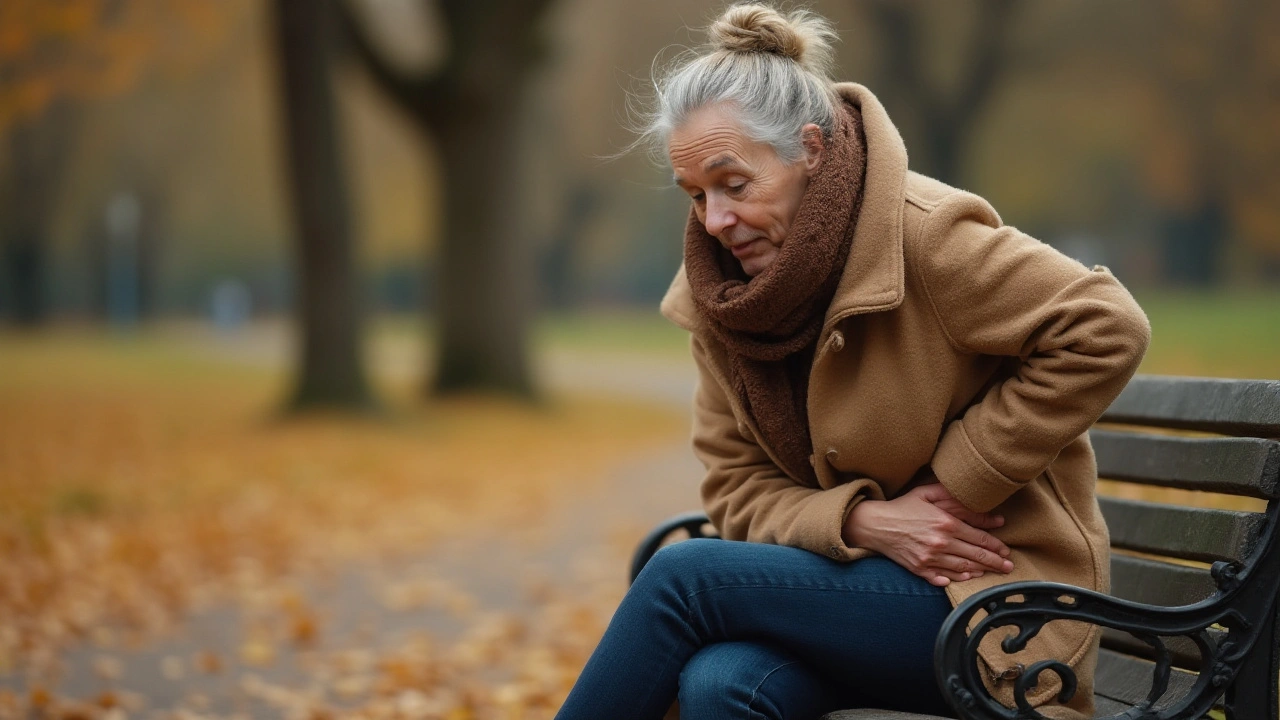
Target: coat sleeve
1075	335
748	497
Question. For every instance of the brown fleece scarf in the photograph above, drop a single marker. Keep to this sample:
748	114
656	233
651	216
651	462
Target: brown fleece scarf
770	323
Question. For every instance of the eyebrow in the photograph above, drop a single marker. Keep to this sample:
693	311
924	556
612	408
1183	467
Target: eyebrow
719	162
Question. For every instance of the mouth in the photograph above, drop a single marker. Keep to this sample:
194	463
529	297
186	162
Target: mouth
742	249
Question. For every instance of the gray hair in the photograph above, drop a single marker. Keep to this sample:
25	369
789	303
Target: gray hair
773	68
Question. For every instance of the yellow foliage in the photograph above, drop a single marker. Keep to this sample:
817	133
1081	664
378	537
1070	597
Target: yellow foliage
78	49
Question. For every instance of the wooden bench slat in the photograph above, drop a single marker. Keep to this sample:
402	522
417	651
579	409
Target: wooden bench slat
1105	706
1184	653
1128	679
864	714
1228	407
1158	583
1163	584
1239	466
1181	532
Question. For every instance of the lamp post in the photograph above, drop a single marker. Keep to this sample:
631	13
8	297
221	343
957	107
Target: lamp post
123	217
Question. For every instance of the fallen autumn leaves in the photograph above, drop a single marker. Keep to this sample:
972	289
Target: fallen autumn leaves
140	484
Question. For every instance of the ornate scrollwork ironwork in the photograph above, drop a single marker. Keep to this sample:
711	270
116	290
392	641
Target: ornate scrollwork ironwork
692	524
1031	678
1245	597
1226	574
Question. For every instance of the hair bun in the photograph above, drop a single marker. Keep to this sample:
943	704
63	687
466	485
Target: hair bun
753	27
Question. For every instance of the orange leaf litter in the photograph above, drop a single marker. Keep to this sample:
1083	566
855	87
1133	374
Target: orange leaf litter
139	483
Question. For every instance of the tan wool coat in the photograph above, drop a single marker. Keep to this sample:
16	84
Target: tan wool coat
955	347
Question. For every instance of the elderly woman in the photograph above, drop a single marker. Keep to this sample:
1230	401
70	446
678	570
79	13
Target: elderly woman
893	393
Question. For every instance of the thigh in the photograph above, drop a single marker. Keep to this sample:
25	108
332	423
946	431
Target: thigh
736	680
869	625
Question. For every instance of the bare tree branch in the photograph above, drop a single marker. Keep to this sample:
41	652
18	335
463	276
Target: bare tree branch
990	52
416	93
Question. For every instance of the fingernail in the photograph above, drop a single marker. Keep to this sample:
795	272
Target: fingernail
1004	552
1008	566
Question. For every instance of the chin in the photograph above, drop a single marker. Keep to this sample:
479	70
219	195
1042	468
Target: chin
757	264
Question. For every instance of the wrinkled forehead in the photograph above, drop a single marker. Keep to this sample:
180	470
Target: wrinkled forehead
710	139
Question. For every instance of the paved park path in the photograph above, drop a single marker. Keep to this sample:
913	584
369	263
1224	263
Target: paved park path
487	566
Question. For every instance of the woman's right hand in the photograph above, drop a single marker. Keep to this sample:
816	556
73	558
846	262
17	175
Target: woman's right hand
927	531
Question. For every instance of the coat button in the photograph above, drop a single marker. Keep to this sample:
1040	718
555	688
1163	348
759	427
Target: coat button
834	552
837	341
832	455
813	461
744	431
1011	673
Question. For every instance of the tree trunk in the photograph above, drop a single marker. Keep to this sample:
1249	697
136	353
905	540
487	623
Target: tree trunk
486	267
29	191
472	107
940	118
946	143
24	262
557	262
1192	238
330	372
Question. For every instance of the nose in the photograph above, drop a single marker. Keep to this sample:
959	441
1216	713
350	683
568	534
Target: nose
719	216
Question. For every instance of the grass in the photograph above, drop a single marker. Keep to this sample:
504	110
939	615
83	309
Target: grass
1217	334
621	330
1209	333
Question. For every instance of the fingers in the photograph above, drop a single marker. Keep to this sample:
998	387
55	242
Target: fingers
938	495
953	546
964	558
950	560
932	492
985	521
988	548
943	578
936	578
976	519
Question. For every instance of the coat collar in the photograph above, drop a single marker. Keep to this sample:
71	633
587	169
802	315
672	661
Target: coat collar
873	275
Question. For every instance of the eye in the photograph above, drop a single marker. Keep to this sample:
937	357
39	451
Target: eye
736	188
698	197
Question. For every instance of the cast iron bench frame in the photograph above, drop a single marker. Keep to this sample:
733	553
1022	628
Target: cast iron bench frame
1178	640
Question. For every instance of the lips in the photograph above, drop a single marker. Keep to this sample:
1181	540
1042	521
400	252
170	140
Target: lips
742	249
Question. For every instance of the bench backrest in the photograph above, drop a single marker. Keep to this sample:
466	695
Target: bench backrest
1203	435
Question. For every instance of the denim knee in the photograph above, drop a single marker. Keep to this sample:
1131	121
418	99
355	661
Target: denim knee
675	562
722	679
713	686
747	680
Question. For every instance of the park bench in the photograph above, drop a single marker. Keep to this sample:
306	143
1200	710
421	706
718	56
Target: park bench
1191	624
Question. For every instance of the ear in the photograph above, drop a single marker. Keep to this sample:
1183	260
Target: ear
811	139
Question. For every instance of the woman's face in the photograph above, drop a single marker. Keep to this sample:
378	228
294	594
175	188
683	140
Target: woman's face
743	194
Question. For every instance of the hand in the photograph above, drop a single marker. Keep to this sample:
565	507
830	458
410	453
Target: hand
929	532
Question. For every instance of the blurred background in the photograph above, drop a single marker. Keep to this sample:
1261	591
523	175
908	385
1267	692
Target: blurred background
146	176
410	214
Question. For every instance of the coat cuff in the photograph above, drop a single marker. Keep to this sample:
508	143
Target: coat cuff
966	474
837	503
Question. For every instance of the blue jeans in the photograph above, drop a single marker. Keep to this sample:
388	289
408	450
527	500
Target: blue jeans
748	630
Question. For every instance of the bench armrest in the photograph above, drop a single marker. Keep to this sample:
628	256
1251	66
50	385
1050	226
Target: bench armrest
693	524
1028	606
